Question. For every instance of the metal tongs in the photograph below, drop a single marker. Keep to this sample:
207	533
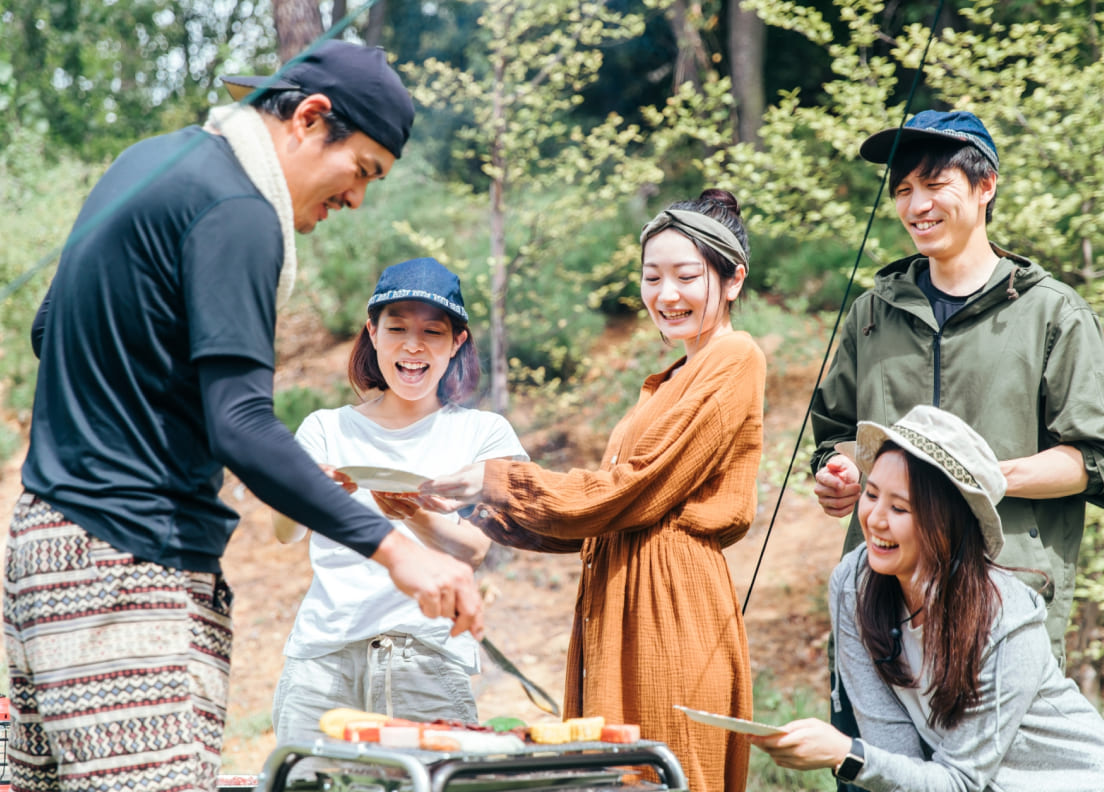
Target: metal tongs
532	689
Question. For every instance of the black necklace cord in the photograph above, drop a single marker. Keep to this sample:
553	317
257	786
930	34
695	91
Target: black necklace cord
895	634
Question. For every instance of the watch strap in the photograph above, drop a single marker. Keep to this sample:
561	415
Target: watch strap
849	768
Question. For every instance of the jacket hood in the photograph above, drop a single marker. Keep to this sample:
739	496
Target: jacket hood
897	285
1013	272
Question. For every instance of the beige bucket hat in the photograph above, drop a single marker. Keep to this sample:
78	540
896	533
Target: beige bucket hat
950	444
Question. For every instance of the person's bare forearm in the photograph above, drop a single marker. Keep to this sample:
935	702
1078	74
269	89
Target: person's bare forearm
1054	473
462	540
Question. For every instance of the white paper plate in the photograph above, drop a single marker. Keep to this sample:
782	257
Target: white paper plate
383	479
732	724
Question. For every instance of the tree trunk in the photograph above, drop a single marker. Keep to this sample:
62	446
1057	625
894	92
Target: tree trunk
298	24
1089	271
746	37
372	28
338	12
500	396
692	60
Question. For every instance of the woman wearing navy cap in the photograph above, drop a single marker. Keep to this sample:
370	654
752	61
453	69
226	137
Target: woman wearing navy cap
358	641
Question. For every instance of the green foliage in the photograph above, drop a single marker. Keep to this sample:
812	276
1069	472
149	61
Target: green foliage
10	441
1027	80
606	383
93	77
513	89
241	732
560	299
778	707
33	227
250	726
816	274
786	328
1086	636
293	404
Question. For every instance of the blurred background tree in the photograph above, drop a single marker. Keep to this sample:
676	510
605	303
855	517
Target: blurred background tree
94	77
512	102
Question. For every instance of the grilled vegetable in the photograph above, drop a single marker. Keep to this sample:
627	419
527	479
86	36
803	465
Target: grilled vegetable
550	733
504	723
586	729
333	722
621	733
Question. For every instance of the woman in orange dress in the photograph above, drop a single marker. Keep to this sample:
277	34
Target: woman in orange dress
657	620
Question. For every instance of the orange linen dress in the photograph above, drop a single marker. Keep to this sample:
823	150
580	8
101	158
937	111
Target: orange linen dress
657	622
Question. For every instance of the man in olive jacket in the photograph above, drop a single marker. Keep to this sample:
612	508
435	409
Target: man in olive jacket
983	333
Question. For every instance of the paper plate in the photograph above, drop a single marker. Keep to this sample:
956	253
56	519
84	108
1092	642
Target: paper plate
383	479
732	724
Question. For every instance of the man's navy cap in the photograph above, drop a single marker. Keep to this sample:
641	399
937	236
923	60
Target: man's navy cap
423	279
358	81
959	125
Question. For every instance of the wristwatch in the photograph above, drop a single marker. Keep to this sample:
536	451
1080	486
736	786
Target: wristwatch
849	768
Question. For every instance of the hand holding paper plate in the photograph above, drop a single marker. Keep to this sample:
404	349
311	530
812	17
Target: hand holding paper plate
382	479
732	724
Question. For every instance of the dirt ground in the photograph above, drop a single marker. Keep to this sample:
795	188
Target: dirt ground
529	597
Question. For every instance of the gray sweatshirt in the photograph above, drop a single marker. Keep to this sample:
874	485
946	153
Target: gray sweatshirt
1032	731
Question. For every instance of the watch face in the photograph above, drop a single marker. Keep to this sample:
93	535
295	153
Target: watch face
849	768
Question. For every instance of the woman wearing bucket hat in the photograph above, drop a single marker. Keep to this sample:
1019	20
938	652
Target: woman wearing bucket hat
945	654
358	642
657	621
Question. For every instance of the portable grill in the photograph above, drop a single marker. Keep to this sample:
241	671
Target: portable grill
362	767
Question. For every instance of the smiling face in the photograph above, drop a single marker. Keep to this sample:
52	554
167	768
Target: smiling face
683	294
325	176
886	515
414	343
942	212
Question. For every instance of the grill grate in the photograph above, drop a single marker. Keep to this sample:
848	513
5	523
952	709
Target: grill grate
331	766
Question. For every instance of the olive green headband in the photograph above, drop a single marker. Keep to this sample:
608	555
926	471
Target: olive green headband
702	228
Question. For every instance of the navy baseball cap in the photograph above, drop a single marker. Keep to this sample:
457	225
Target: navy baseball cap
358	81
423	279
959	125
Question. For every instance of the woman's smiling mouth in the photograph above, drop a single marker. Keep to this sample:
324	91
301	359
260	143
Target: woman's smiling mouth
411	370
883	544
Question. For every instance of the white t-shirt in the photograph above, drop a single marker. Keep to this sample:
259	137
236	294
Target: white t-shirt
352	598
915	699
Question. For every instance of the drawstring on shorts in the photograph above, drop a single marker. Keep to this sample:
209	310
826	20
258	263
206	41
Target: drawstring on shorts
385	643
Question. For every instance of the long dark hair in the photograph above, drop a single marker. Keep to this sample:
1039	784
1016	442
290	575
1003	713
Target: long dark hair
461	378
960	600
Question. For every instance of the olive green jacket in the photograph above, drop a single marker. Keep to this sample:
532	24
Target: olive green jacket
1022	362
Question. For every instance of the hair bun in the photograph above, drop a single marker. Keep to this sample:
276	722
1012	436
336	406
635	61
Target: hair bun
723	198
